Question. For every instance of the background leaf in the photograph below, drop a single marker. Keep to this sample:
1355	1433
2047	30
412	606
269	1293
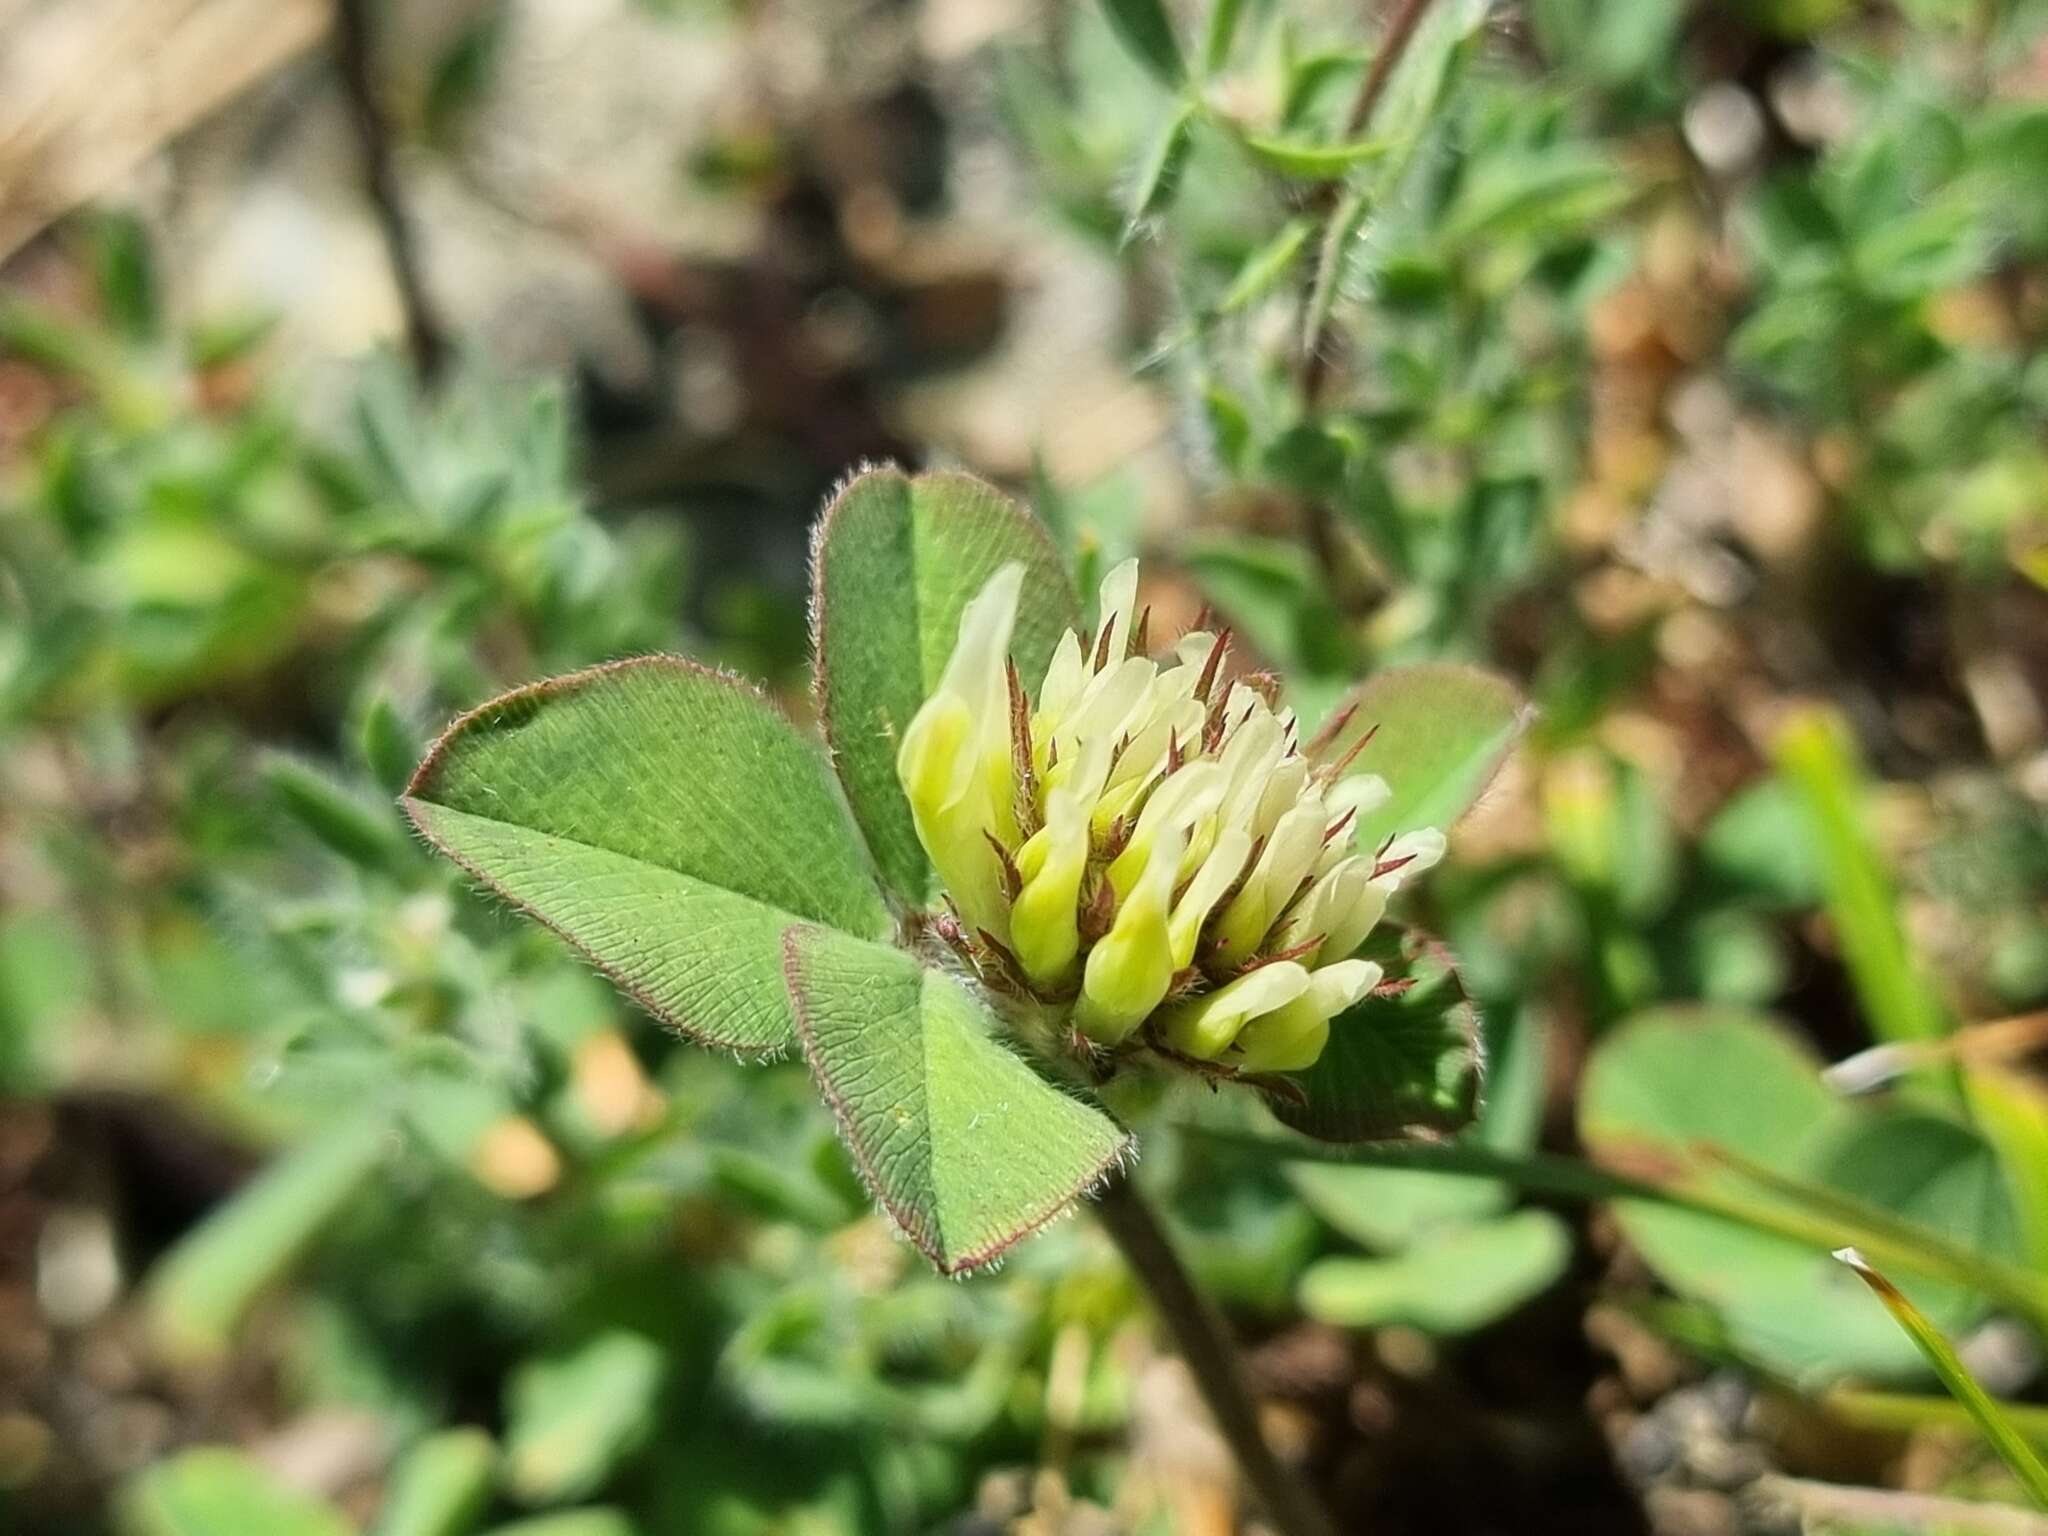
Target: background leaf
573	1416
1145	29
897	560
1444	731
1159	174
570	1522
1674	1080
441	1486
205	1286
1305	161
1819	763
964	1145
1387	1209
211	1490
1451	1282
668	822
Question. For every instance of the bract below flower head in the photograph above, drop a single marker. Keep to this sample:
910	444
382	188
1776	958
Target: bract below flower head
1147	847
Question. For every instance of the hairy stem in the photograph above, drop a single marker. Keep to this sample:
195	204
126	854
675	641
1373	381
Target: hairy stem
1314	371
1319	346
1204	1342
1399	30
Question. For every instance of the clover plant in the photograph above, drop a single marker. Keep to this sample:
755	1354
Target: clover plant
1037	871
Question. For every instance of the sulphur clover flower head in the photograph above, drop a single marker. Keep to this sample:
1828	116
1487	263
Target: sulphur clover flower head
1141	858
1145	845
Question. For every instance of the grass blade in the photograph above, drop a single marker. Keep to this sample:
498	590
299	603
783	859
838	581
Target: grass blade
1816	758
1903	1412
2011	1446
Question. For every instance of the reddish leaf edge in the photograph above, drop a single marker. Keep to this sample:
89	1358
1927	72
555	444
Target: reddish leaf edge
568	682
1119	1159
821	535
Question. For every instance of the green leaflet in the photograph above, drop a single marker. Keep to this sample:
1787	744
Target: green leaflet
668	822
441	1486
1452	1282
896	560
573	1416
1443	732
961	1141
1144	28
1305	161
201	1291
210	1490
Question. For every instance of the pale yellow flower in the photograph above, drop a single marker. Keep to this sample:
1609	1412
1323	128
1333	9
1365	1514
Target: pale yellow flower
1146	847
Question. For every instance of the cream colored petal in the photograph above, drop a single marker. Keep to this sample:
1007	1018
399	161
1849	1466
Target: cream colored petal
1333	988
1044	928
975	671
936	762
1248	760
1422	849
1207	1027
1130	969
1283	791
1180	800
954	761
1328	901
1289	1039
1169	720
1115	601
1061	687
1107	704
1289	855
1225	861
1359	793
1192	649
1353	916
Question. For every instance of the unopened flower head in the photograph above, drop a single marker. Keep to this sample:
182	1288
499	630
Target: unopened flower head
1147	843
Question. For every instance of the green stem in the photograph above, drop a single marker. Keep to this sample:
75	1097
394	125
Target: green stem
1819	1220
1204	1343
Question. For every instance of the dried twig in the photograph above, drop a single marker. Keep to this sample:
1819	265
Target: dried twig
355	56
1831	1505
